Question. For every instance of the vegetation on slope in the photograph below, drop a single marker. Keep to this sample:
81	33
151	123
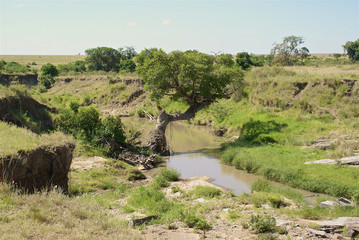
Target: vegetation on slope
22	139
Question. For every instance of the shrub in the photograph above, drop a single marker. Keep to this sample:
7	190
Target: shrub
49	70
261	223
169	174
127	65
85	124
194	221
165	176
13	67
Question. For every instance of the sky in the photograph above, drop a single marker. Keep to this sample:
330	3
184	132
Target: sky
69	27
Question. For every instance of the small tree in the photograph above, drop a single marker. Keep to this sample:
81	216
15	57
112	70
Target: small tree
48	72
243	60
287	52
190	76
352	49
303	53
337	56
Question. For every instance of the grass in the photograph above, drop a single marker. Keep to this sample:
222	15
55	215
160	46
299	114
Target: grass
22	139
40	60
104	91
205	192
52	215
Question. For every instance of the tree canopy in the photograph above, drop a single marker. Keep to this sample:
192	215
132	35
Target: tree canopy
196	78
352	49
288	52
193	76
108	59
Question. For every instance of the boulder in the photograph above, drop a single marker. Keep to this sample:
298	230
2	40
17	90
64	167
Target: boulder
39	169
328	204
323	161
354	160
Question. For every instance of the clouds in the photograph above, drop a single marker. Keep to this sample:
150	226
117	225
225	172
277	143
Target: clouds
19	5
166	22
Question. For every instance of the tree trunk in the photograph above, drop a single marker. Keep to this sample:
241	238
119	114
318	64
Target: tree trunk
157	138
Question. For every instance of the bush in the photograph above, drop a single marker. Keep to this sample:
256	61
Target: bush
261	223
85	124
49	70
127	65
47	81
165	176
13	67
78	66
194	221
169	174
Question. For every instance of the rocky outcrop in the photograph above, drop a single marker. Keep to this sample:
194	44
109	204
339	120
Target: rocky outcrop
12	107
27	79
349	161
39	169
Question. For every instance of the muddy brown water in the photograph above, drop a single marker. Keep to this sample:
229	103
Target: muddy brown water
191	158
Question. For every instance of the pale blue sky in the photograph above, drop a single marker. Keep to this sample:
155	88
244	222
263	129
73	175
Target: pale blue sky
72	26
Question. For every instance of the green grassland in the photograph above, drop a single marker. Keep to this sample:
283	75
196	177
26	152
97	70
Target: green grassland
15	139
37	61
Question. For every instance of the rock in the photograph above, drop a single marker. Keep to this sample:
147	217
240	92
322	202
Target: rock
144	220
220	132
328	204
351	233
322	146
345	202
280	222
201	200
317	232
39	169
266	206
323	161
354	160
349	222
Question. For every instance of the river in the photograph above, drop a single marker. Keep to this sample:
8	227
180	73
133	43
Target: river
190	144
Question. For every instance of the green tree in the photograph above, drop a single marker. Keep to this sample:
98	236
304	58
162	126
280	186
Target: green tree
337	56
127	65
352	49
287	52
127	53
303	53
243	60
14	67
225	60
49	70
191	76
103	58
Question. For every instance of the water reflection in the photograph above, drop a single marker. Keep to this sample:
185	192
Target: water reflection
198	164
187	141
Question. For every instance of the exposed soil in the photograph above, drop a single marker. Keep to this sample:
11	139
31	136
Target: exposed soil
38	169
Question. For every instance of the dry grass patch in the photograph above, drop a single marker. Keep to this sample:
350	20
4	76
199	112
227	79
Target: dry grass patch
52	215
40	60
